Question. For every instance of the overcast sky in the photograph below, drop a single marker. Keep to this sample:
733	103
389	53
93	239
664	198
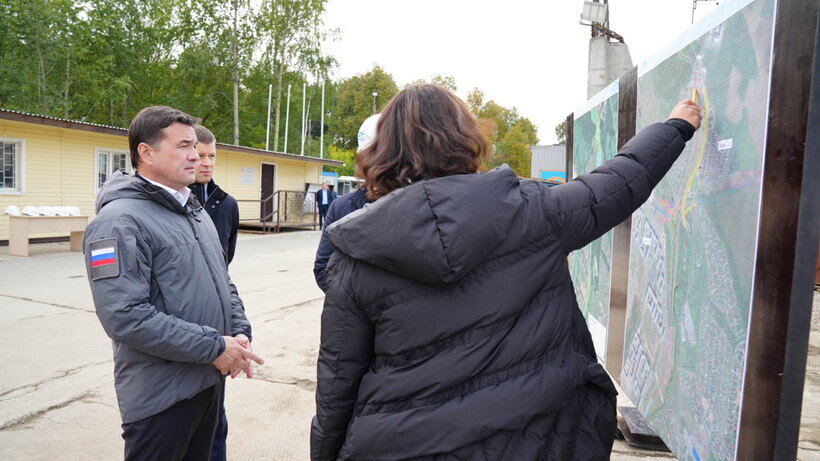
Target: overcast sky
530	54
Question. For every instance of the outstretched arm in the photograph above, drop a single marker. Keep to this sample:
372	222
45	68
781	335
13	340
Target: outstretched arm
592	204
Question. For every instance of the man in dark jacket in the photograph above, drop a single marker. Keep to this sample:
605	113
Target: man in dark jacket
343	206
162	293
224	212
220	205
340	208
324	198
450	328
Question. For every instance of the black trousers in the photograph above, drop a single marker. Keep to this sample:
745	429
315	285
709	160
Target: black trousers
219	451
183	432
322	212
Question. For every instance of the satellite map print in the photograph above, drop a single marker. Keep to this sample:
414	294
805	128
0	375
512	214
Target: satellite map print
595	141
692	252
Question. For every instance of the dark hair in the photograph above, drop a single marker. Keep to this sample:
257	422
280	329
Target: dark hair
203	134
424	132
148	124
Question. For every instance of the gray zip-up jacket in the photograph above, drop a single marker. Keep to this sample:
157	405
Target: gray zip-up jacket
162	293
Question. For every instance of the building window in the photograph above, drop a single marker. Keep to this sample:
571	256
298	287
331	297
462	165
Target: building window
11	166
108	162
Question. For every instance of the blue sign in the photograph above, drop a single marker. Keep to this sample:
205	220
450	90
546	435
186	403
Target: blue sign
554	175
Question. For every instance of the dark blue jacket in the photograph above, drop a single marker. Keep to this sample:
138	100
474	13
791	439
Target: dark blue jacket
224	212
338	209
332	197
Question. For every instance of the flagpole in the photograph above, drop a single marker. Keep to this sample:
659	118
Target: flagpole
322	125
287	120
267	130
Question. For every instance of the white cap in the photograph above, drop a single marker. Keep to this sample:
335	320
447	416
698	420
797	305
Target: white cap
367	132
12	210
30	211
46	211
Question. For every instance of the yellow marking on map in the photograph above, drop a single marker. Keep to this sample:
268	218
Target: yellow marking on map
704	137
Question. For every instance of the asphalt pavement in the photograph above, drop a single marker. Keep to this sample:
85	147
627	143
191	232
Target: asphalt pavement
57	394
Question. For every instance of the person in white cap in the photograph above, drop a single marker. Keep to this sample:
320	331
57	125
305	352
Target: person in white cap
343	205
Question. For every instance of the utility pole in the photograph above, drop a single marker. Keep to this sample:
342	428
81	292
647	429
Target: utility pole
608	54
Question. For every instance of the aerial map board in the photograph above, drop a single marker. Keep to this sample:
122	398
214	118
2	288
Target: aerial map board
693	243
595	140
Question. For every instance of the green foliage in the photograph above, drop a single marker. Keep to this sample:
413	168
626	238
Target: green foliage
510	134
446	81
293	32
561	132
514	147
102	61
354	102
347	156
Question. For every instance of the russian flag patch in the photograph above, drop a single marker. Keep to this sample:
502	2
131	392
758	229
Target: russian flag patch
103	257
103	260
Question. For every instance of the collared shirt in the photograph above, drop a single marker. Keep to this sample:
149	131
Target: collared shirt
325	194
181	197
205	193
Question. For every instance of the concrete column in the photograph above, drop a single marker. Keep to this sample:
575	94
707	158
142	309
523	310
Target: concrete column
607	62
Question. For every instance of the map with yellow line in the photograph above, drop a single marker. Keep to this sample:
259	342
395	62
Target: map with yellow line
692	247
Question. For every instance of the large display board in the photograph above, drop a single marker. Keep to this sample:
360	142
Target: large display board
595	140
693	244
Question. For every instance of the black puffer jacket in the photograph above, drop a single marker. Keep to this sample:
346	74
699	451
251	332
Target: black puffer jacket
450	328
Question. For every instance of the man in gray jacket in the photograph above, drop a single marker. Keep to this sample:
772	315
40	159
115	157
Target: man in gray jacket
162	293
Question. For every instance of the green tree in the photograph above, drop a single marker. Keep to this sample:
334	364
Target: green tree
348	156
475	99
353	103
561	132
514	148
209	74
36	42
133	45
293	31
501	117
446	81
509	134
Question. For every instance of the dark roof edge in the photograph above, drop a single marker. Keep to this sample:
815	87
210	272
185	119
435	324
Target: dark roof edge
282	155
18	116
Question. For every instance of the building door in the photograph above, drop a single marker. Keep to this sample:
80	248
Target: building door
268	186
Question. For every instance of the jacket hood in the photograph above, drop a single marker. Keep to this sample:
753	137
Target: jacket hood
122	185
433	231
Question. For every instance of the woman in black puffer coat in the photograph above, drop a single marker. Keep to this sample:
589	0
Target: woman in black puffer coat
450	328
